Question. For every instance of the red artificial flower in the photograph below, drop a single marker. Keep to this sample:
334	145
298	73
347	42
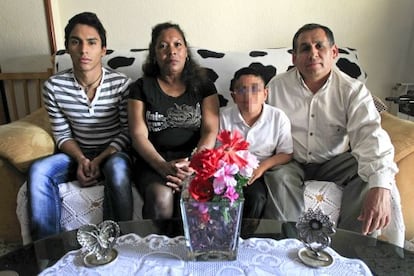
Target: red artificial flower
205	163
230	144
201	189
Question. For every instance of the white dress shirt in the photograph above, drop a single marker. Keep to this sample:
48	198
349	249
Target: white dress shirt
340	115
268	136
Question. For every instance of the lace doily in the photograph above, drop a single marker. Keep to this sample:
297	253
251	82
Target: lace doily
160	255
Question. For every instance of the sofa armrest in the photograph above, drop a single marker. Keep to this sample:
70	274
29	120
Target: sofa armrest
401	133
25	140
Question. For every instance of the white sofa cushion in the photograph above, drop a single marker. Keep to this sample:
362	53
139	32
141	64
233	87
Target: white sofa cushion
327	196
324	195
80	206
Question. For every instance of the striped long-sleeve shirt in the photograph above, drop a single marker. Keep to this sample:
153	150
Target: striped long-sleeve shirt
97	124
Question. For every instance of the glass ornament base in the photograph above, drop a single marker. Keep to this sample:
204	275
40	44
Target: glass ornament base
212	229
212	255
91	260
308	257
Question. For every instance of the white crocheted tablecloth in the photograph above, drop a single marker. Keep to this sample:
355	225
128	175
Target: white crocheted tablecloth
160	255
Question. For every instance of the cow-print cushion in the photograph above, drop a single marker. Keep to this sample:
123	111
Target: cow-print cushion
221	65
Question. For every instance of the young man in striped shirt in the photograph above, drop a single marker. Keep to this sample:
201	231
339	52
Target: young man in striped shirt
87	111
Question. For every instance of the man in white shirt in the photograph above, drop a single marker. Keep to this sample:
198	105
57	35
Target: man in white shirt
337	135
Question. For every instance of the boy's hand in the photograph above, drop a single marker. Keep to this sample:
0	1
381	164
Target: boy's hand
257	173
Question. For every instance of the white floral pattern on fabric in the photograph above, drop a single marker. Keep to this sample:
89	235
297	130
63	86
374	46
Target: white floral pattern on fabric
327	196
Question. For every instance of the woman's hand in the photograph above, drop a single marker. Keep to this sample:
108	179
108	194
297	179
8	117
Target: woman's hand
175	171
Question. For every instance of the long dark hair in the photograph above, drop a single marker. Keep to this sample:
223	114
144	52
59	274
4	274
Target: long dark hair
193	75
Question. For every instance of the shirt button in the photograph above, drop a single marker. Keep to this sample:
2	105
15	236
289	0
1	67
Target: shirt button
309	153
312	115
311	133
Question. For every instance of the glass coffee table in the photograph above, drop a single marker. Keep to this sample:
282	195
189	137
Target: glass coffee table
381	257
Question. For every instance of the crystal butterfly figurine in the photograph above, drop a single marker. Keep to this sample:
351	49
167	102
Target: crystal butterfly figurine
98	241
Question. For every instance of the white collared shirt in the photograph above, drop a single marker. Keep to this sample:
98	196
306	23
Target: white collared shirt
268	136
341	114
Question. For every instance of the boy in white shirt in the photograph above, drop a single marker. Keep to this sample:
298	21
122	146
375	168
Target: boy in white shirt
266	128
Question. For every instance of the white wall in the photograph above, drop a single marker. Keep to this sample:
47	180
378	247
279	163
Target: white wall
381	30
23	30
408	69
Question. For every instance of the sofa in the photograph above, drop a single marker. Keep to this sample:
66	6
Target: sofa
25	140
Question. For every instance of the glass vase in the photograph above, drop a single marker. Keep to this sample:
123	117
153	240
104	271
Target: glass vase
212	229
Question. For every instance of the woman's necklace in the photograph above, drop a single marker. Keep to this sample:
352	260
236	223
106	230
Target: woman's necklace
86	87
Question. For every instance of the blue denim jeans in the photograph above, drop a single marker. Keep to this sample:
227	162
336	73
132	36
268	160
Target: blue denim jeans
43	192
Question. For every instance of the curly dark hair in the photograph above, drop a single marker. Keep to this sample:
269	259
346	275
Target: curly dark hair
193	75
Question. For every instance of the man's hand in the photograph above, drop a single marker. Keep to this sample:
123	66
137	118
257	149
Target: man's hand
88	172
376	210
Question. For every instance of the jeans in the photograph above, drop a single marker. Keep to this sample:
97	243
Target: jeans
45	204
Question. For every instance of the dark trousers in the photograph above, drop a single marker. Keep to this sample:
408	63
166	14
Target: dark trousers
255	197
285	186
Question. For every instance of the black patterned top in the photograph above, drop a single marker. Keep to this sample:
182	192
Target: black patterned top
173	122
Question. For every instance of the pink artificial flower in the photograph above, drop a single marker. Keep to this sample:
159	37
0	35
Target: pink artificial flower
219	186
224	177
231	194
